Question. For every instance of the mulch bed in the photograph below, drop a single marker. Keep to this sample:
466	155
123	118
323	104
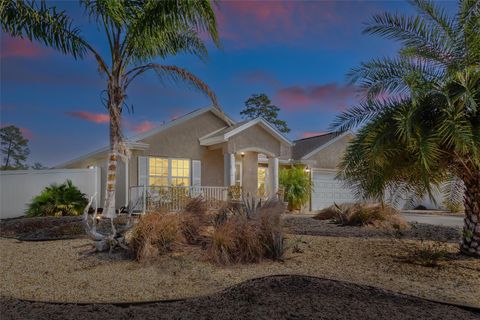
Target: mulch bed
419	231
276	297
50	228
42	228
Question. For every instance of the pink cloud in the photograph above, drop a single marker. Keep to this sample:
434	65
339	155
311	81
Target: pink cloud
27	133
141	127
17	47
309	134
250	23
90	116
329	95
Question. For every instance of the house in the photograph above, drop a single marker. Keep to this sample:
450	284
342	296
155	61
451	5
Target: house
207	149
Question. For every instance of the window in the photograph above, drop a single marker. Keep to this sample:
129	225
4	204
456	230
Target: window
180	172
166	172
238	174
262	177
158	171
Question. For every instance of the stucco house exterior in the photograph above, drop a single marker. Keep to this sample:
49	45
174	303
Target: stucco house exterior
208	149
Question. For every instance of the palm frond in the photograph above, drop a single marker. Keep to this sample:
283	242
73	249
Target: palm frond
35	21
411	32
175	74
169	27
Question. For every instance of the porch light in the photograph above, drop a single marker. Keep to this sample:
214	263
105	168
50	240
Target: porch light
307	169
242	153
90	167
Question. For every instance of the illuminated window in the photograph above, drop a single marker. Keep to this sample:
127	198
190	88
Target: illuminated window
238	174
166	172
262	177
180	172
158	171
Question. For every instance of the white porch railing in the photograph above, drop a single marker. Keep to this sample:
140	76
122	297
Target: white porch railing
173	198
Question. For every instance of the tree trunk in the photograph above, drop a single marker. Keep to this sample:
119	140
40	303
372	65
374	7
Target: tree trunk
8	155
115	100
471	229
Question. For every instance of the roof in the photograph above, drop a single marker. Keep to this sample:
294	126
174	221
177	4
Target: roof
304	148
225	133
134	142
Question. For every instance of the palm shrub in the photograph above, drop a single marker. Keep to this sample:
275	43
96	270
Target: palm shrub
296	186
419	120
58	200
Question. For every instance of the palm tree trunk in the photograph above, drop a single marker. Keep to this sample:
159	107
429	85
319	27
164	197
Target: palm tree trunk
471	229
115	101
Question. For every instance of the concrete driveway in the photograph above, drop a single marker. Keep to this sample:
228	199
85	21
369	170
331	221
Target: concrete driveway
449	221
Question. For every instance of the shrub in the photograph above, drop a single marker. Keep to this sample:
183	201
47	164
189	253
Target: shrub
236	241
328	213
364	214
58	200
154	234
296	185
271	233
243	237
192	218
426	253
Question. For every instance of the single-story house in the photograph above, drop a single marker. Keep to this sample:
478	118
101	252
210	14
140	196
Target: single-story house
208	149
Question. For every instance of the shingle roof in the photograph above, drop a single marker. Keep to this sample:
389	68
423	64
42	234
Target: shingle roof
304	146
227	129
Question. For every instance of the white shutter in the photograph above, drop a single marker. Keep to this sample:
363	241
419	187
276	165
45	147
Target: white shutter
142	171
196	173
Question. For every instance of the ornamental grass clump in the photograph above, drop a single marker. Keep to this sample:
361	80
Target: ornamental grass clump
376	215
154	234
244	238
193	217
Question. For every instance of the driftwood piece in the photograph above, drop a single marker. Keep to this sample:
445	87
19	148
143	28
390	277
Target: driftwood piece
105	242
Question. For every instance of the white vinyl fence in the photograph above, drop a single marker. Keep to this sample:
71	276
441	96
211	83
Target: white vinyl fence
18	187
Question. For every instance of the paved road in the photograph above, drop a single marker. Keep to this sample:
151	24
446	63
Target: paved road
433	219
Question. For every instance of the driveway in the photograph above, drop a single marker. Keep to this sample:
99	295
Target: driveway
449	221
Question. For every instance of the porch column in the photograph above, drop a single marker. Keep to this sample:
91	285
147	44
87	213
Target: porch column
127	183
229	169
273	175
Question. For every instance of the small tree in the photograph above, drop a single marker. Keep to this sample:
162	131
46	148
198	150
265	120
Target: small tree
296	186
259	105
14	148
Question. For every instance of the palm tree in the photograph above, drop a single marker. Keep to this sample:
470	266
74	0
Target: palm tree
419	119
136	32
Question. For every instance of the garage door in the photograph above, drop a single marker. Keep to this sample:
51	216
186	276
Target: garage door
327	190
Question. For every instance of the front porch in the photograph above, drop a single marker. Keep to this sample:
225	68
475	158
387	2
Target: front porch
246	173
230	162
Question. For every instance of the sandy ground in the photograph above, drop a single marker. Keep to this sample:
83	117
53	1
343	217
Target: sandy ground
289	297
54	271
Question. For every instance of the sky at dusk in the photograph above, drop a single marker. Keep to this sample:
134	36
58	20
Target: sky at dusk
296	52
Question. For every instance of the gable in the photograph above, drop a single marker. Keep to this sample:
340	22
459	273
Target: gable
254	138
182	140
330	155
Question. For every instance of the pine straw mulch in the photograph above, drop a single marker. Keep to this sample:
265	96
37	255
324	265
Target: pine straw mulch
277	297
307	225
54	271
